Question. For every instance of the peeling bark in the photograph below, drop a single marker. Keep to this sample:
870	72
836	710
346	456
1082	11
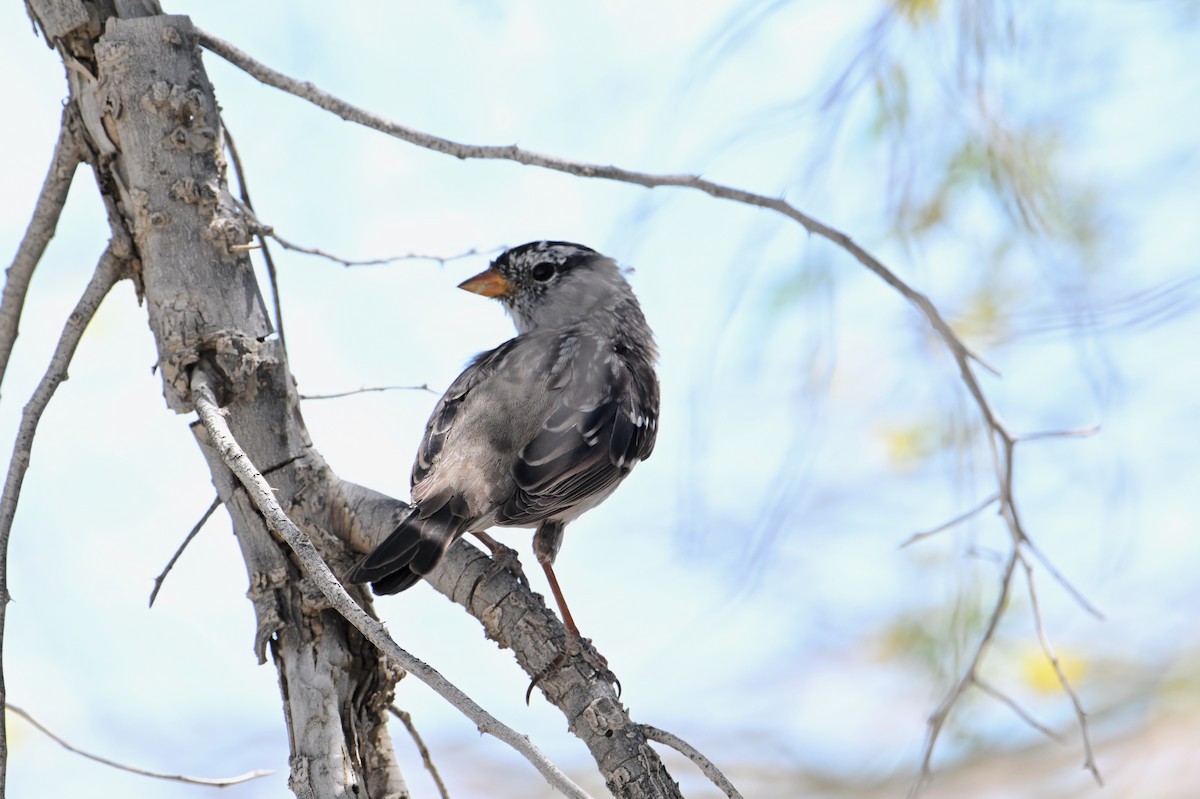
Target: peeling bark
151	125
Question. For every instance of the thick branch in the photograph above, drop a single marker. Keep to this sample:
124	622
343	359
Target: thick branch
517	618
108	271
38	233
314	566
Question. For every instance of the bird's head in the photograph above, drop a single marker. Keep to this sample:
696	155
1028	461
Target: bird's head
551	283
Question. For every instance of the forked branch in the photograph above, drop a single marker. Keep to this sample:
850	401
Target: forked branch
1001	441
314	566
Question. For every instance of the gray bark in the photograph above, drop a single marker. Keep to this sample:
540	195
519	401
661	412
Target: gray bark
150	120
150	124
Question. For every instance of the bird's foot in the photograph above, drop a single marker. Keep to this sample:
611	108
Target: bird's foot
576	647
503	559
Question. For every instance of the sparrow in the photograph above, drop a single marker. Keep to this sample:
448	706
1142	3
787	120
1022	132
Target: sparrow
539	430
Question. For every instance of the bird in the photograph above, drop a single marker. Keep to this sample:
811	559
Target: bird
539	430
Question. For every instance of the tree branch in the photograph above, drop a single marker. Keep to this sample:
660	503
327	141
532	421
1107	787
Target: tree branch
691	753
365	390
516	618
1001	441
314	566
46	211
158	581
108	272
406	719
1089	761
969	676
244	194
214	782
441	260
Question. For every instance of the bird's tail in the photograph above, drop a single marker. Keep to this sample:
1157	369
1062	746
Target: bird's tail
414	547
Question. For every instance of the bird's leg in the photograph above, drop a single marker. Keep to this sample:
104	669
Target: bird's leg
545	545
503	558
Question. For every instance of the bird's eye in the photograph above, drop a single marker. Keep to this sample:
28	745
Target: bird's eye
543	271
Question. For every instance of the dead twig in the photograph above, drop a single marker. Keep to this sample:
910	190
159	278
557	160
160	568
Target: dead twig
1012	705
962	517
108	271
366	389
441	260
38	233
406	720
261	494
691	753
938	719
1089	761
272	277
158	581
216	782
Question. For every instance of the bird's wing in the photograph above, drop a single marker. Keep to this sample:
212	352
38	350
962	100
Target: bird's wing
603	421
445	412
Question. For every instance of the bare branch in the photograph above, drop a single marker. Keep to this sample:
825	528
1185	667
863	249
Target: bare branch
38	233
1077	432
364	390
108	271
215	782
158	581
244	192
969	676
406	720
1089	762
1012	705
1075	593
441	260
314	566
691	753
1000	440
962	517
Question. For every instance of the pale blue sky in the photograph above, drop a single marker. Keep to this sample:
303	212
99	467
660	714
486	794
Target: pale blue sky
775	661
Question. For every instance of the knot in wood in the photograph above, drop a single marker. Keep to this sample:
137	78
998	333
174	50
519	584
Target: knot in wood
599	714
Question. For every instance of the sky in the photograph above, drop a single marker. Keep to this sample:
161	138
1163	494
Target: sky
766	612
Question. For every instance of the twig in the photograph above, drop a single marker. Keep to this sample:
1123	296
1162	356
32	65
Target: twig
216	782
1075	593
1078	432
962	517
938	719
1000	440
38	233
441	260
314	566
365	389
158	581
244	192
1089	761
108	271
406	720
1012	705
684	748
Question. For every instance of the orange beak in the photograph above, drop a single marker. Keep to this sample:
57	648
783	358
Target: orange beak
489	283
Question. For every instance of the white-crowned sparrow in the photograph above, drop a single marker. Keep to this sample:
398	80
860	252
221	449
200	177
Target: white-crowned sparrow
538	430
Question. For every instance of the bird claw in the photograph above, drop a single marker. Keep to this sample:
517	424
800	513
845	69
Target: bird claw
503	559
576	647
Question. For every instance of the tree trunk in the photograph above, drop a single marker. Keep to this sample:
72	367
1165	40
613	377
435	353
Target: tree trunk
151	121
